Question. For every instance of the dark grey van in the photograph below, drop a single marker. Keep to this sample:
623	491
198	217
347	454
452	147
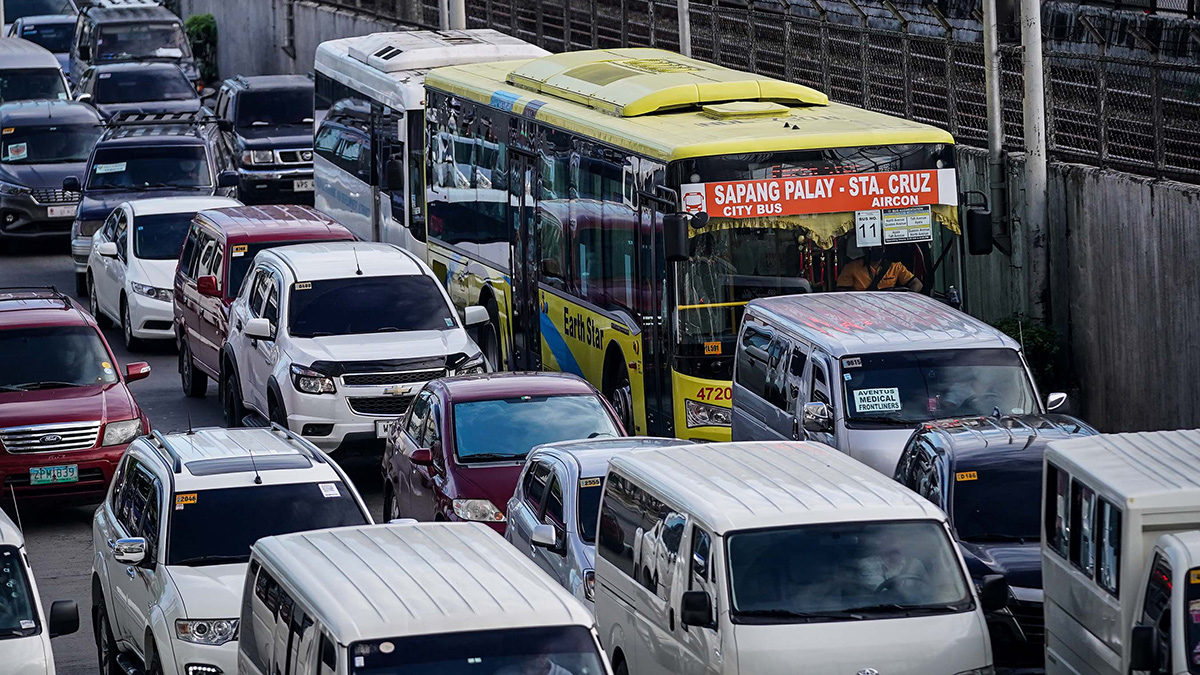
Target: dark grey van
42	143
114	31
29	72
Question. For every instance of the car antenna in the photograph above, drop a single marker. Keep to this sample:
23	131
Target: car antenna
191	431
357	266
257	477
17	511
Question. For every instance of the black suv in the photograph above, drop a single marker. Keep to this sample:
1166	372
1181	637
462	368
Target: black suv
110	31
43	142
271	133
143	155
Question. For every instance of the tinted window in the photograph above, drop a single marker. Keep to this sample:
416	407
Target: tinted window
19	9
17	615
1057	521
589	509
53	357
997	498
1108	573
49	145
32	84
558	650
554	502
159	237
357	305
149	84
752	357
131	168
620	516
133	41
278	509
243	257
275	108
507	429
535	485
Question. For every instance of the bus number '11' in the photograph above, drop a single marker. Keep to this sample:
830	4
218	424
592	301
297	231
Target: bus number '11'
714	394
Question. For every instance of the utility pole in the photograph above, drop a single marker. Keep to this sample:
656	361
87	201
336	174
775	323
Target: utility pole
685	28
458	15
1035	158
444	14
997	179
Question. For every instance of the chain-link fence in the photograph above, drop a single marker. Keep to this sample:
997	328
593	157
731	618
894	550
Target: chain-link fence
1122	88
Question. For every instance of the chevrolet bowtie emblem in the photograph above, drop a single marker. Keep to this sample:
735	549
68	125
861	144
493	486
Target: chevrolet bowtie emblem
398	390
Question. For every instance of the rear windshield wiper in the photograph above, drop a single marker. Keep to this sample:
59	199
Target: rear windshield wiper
212	560
850	615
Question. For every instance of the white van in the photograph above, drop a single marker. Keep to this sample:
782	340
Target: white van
765	558
860	371
1121	554
445	598
24	630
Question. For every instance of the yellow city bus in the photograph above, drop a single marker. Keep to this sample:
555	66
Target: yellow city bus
615	210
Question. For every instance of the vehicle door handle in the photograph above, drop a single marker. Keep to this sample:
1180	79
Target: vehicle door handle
112	543
238	324
130	573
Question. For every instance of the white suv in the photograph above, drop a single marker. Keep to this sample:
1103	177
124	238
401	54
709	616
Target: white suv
172	540
334	340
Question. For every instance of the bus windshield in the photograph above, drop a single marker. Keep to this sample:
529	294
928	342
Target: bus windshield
743	256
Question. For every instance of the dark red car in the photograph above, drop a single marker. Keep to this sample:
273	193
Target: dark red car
216	255
65	412
456	454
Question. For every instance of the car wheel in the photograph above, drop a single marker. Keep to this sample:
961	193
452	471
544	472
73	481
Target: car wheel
81	284
232	394
102	319
490	335
620	395
106	645
194	381
620	668
132	343
278	413
153	667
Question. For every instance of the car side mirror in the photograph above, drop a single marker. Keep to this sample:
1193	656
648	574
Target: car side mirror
64	618
475	315
207	286
421	457
1143	649
545	536
71	184
130	551
817	418
259	329
394	174
1058	402
227	179
979	232
695	609
107	249
138	370
675	236
993	593
84	98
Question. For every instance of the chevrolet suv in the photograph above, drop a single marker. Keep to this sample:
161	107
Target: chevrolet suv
171	541
271	131
334	340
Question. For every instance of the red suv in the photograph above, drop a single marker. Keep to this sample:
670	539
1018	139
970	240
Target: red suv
215	258
65	412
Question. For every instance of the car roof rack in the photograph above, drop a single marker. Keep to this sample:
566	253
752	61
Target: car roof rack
35	294
306	446
138	119
175	463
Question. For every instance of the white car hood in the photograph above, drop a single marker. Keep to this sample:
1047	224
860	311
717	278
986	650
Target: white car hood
157	273
383	346
25	656
211	591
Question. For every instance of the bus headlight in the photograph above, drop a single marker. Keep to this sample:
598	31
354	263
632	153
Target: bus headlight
704	415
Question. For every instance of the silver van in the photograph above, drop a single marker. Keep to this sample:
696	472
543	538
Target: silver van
860	371
29	72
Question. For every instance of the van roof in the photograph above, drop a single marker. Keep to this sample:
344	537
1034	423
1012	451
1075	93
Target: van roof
744	485
591	455
9	532
160	205
1152	468
383	581
342	259
17	53
271	223
881	321
130	11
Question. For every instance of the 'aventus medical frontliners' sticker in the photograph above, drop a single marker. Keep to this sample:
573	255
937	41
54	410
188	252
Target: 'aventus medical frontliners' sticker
877	400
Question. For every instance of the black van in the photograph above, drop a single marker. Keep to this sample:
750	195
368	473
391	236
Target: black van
42	143
111	31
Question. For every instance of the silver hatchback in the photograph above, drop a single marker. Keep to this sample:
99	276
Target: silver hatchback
553	514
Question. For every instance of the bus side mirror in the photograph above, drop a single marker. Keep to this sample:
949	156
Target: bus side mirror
675	234
395	174
1143	649
979	232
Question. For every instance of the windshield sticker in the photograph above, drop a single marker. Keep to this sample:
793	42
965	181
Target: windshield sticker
449	322
589	482
877	400
182	500
105	76
966	475
907	226
330	490
115	167
239	250
168	52
304	285
852	362
846	377
1194	577
16	151
26	624
386	647
712	348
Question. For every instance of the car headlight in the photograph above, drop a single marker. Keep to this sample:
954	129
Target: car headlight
12	189
704	415
85	228
258	157
206	631
119	433
163	294
480	510
472	366
589	584
309	381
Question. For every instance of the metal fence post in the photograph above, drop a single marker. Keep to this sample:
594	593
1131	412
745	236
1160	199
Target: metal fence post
595	30
1160	160
1101	88
624	24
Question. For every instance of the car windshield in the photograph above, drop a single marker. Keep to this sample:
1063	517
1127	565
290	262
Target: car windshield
508	428
277	509
144	84
911	387
589	511
19	9
50	144
160	237
845	571
32	84
51	357
134	168
286	107
55	37
357	305
18	615
545	650
1001	500
126	42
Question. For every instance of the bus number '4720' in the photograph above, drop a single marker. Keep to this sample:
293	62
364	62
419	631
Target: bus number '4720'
714	394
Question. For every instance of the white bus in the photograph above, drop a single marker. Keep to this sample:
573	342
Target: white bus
370	124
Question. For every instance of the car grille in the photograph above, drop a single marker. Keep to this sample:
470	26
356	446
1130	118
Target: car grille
294	156
379	379
50	437
380	406
1030	618
53	196
18	480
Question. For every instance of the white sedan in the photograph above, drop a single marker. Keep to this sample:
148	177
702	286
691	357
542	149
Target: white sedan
131	269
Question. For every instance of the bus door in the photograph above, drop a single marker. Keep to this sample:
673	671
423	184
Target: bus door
656	376
526	260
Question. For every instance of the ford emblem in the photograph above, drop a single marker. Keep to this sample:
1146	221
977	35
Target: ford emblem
50	438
